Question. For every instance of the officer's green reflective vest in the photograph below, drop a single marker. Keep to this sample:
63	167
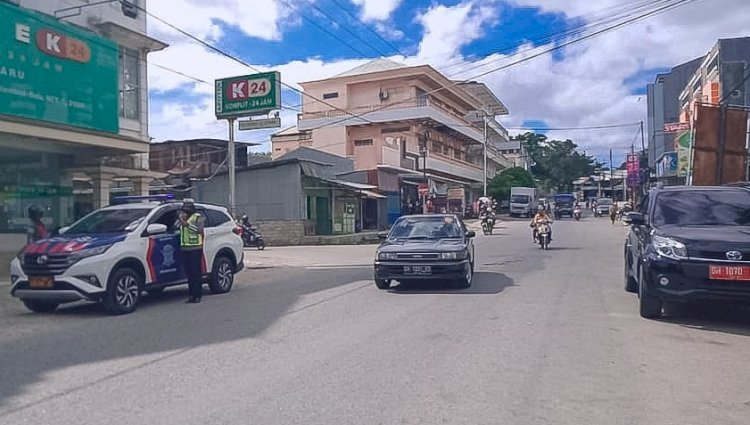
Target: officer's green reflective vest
189	235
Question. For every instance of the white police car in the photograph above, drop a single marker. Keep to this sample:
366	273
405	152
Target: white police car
114	254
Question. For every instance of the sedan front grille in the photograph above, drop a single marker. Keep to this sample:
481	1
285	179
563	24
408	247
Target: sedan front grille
51	264
418	256
718	255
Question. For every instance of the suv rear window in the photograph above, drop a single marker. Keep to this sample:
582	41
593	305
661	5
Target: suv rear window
216	218
703	208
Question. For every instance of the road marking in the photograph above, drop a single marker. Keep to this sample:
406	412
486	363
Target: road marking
347	266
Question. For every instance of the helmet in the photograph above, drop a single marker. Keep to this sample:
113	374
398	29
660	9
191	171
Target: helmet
35	212
244	217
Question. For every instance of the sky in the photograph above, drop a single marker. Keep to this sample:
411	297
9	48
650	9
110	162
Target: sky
599	81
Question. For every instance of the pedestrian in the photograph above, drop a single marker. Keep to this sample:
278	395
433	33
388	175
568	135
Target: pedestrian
613	212
191	225
38	229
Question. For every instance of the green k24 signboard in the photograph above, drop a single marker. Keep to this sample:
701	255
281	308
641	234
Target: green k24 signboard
248	95
56	72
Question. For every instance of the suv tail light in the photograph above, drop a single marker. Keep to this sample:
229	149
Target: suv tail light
237	231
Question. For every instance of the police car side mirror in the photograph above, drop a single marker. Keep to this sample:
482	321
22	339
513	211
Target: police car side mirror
156	229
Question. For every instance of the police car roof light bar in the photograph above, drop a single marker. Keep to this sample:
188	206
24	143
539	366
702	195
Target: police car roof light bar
120	200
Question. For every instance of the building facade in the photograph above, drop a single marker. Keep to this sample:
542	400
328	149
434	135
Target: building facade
664	107
73	108
411	122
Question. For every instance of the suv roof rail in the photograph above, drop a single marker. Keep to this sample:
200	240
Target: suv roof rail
121	200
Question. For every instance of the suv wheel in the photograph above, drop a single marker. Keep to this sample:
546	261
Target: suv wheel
222	276
650	306
123	291
40	306
631	285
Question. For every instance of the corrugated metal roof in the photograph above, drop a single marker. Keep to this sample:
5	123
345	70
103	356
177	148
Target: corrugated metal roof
377	65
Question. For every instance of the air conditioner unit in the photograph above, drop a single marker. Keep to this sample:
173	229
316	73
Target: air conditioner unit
383	95
129	8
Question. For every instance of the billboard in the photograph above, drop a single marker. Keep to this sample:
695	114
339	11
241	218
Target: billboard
55	72
666	165
633	165
248	95
682	146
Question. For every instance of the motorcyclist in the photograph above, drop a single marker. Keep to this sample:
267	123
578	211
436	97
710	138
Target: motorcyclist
541	214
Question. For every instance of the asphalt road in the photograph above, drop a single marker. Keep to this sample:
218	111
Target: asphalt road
540	338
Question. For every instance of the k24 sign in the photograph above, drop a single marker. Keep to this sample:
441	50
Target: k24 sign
248	95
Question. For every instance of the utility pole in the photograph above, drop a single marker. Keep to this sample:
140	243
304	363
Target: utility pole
231	163
611	175
423	154
484	118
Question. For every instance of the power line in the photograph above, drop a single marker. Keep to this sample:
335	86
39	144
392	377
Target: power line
321	28
294	108
344	27
609	28
355	19
240	61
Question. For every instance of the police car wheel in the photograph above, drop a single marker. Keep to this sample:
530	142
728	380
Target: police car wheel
123	291
40	306
222	276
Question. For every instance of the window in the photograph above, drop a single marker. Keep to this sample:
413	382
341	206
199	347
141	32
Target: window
128	80
403	129
216	218
167	218
332	95
703	208
363	142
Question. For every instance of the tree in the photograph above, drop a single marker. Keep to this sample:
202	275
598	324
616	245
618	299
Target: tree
556	163
499	187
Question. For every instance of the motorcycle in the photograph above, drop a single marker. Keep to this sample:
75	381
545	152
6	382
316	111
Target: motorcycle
251	237
543	232
577	213
488	224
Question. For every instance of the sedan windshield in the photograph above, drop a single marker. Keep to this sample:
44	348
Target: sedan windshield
703	208
426	228
109	221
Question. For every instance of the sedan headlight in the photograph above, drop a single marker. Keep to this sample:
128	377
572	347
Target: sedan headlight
90	252
387	256
669	248
457	255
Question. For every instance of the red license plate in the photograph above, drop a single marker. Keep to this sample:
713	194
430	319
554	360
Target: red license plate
42	282
729	272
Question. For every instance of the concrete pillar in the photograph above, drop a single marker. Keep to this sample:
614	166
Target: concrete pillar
141	185
101	183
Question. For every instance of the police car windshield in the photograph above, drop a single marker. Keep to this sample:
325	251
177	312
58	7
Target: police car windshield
109	221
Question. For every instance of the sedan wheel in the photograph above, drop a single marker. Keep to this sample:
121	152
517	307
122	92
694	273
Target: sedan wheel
465	282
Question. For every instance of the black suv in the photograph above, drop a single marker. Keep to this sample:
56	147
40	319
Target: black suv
689	243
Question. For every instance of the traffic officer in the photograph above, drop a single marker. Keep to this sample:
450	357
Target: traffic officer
191	225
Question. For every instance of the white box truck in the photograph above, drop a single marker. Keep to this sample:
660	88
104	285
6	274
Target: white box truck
523	201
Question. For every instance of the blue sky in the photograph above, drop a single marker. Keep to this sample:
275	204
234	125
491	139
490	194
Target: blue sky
599	82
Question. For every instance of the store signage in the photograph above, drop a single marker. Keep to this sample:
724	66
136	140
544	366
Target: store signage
249	95
676	127
633	169
55	72
259	124
666	165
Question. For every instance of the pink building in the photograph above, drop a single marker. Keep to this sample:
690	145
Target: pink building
398	110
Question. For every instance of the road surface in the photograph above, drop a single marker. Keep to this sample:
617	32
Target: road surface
306	338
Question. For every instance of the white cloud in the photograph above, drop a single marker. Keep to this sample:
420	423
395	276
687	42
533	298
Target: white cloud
586	87
256	18
377	10
448	28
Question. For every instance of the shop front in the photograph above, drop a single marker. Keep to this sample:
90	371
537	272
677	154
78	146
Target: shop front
69	99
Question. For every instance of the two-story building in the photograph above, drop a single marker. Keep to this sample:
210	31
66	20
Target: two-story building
73	108
409	121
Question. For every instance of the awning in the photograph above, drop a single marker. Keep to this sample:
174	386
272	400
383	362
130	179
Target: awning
372	195
351	185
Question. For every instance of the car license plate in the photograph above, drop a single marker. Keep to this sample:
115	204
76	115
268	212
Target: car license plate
729	272
417	269
42	282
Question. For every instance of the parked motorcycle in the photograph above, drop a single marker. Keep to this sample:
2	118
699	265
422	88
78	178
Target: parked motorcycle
543	233
577	213
252	237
